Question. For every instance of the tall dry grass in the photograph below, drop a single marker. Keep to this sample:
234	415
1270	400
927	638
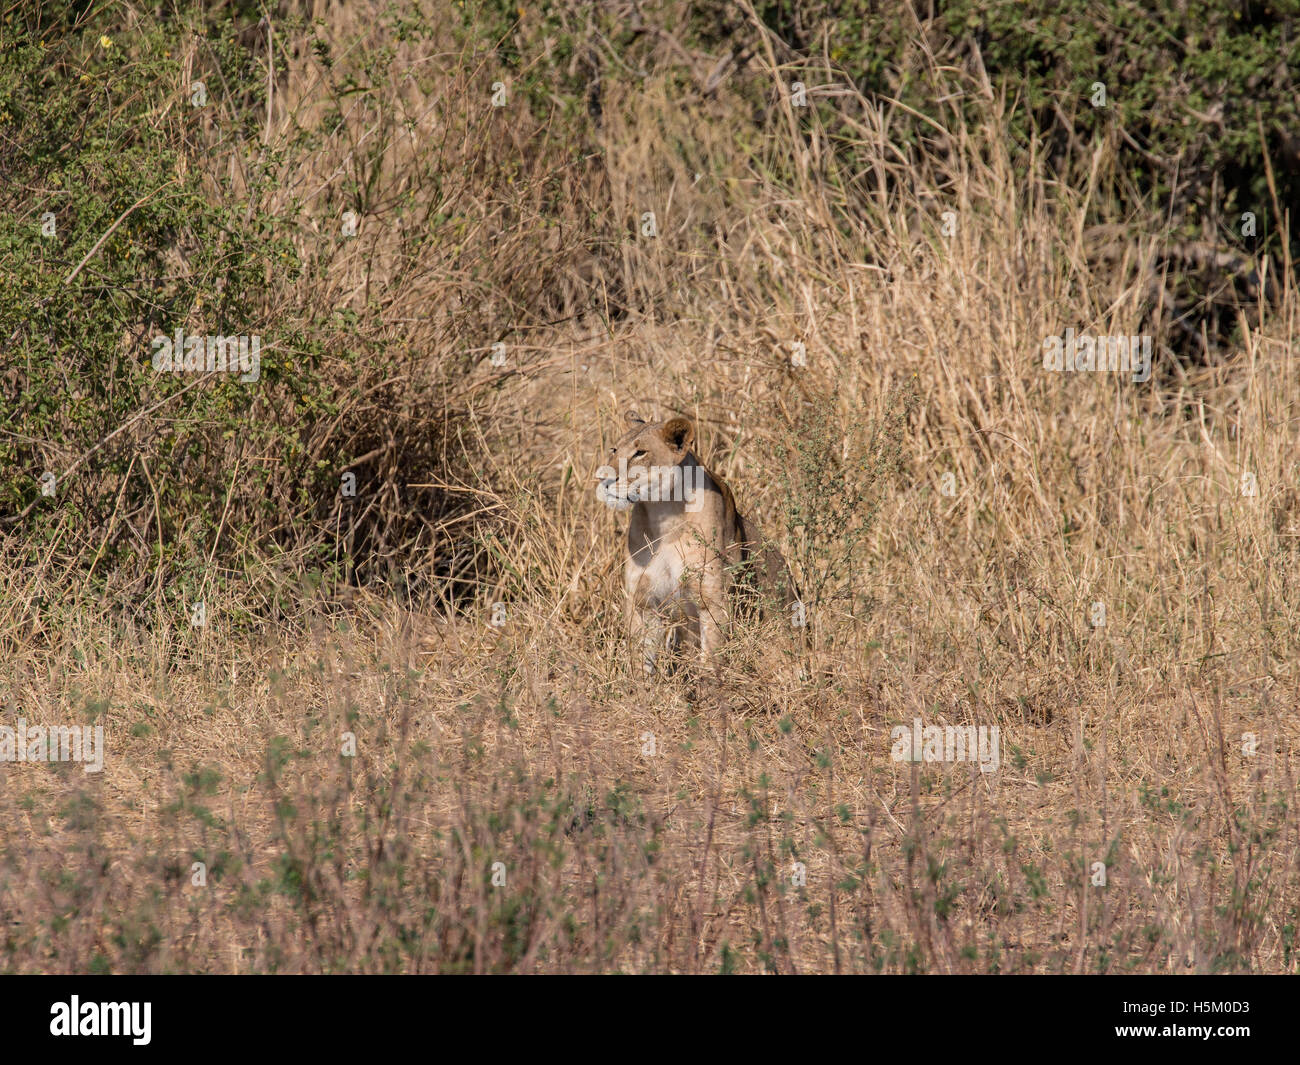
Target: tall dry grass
655	825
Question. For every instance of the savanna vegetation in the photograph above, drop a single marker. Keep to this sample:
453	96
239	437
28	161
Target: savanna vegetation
352	622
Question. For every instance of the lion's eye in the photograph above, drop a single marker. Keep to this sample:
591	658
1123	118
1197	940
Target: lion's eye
638	454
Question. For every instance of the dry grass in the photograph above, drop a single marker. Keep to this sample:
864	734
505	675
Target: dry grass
525	743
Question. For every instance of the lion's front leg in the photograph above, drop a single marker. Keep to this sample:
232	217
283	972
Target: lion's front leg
715	615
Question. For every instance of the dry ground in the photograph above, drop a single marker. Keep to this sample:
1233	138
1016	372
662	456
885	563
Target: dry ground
656	825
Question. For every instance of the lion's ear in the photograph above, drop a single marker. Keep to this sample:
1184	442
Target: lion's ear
632	418
679	434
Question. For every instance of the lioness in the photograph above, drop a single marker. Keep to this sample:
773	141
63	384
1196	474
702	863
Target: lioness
688	547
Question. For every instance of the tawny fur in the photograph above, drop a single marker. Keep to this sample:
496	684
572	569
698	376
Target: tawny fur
686	546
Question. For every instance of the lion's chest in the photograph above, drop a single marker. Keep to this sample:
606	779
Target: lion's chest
664	553
654	578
